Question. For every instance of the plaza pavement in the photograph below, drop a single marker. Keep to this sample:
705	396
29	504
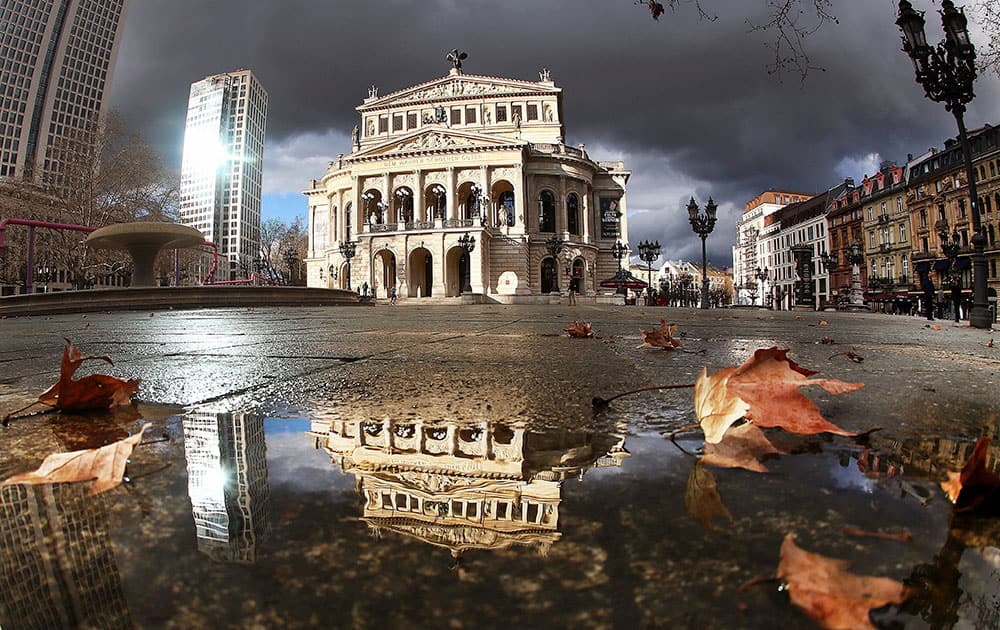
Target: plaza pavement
506	362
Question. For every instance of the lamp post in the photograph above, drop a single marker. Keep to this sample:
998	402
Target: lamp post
290	257
367	199
762	276
619	251
703	224
468	243
829	261
855	256
439	192
482	199
946	74
347	250
402	195
649	252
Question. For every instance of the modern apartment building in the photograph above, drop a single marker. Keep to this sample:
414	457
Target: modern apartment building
222	163
56	62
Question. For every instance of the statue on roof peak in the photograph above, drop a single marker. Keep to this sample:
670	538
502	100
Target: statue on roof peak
456	57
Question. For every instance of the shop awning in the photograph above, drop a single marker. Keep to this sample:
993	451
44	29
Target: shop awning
623	279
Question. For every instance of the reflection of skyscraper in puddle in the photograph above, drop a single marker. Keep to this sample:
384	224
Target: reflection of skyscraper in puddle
57	565
227	483
469	486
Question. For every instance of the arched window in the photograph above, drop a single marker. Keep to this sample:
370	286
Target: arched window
472	205
347	221
573	214
546	212
506	202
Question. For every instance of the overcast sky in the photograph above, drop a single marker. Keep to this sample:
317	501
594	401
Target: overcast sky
687	103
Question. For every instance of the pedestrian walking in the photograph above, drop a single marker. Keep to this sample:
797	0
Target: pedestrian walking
928	288
392	295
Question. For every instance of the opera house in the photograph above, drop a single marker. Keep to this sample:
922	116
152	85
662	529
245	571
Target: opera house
464	185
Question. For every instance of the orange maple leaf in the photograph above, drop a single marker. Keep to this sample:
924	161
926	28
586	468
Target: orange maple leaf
975	484
701	497
579	330
832	596
97	391
661	338
106	465
765	390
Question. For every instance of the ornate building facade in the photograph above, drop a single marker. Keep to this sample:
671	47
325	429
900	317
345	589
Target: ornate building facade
466	162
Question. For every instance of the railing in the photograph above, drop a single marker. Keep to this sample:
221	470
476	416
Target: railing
382	227
420	225
459	223
883	218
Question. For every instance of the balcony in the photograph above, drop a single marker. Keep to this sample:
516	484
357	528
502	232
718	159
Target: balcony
883	218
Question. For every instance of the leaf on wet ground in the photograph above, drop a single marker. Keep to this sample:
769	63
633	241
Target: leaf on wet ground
826	341
829	594
661	337
975	487
902	536
579	330
744	446
97	391
765	390
702	499
105	465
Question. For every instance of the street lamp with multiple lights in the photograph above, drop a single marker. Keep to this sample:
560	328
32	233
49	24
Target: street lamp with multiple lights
946	73
347	250
950	248
439	193
619	251
703	224
467	243
762	276
648	253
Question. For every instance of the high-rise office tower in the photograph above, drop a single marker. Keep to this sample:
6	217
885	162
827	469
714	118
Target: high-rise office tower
56	62
221	167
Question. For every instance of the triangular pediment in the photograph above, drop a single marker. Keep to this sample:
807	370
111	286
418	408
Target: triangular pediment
438	138
458	86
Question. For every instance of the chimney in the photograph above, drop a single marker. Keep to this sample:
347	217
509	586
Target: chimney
849	182
909	157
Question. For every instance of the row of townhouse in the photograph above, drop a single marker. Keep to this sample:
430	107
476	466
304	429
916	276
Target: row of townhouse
678	282
869	242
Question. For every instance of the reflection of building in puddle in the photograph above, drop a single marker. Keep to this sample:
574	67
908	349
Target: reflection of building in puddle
927	457
57	564
227	483
474	486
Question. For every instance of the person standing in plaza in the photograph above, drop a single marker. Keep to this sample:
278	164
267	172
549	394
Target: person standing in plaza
928	289
392	295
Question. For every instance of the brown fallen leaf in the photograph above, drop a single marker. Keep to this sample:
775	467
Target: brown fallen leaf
935	327
741	447
702	499
661	338
823	322
765	389
989	344
97	391
829	594
580	330
975	487
769	383
826	341
106	465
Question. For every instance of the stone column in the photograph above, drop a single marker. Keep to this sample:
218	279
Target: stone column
484	181
561	224
419	204
386	197
451	211
585	209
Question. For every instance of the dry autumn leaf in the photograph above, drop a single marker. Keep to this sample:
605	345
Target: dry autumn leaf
975	487
701	497
741	447
765	389
662	337
97	391
579	330
106	465
832	596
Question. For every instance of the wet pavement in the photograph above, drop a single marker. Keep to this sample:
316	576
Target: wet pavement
444	466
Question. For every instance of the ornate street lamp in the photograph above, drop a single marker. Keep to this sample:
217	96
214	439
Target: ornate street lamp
347	250
946	74
367	199
402	195
703	224
468	243
439	192
482	201
855	256
762	276
619	251
648	253
290	258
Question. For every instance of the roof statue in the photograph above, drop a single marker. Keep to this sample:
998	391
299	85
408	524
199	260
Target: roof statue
456	57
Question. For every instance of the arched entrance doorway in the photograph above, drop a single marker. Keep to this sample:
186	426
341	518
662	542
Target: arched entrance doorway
576	281
550	278
421	273
383	272
457	271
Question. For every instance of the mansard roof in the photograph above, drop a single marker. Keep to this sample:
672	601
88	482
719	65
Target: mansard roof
455	86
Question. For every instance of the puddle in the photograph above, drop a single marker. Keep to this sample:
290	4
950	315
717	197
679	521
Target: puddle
243	520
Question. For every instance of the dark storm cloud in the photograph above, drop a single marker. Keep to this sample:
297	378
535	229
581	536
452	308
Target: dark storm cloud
687	102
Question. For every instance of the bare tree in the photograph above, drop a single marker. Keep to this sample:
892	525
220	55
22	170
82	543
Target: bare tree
792	22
